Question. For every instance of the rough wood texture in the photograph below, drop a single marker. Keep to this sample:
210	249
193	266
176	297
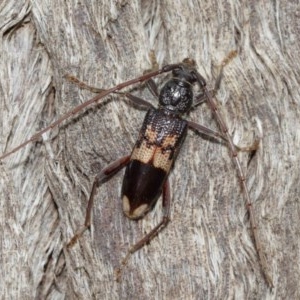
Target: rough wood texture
206	252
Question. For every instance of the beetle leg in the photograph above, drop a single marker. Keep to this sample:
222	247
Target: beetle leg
206	131
107	172
215	134
136	100
151	85
147	238
82	84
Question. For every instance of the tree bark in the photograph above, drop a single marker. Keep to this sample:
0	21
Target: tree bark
206	251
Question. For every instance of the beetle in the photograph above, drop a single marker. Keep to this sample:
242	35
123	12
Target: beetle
158	144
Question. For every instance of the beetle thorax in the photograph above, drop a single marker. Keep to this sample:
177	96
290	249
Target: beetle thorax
176	96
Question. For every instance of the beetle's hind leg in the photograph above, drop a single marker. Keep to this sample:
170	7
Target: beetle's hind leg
154	232
105	174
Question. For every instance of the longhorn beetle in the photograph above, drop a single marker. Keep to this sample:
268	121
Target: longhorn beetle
158	143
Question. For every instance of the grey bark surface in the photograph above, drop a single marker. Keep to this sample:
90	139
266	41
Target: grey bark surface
206	252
